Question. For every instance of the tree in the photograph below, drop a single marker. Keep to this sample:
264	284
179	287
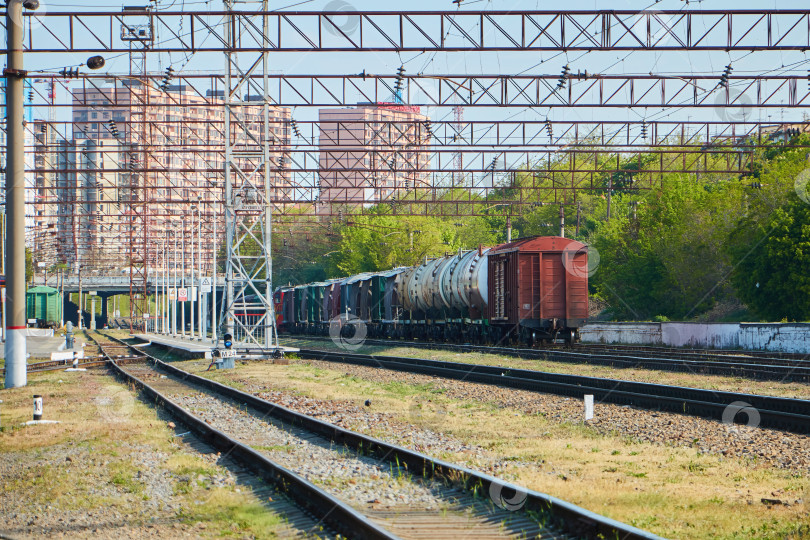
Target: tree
29	266
772	262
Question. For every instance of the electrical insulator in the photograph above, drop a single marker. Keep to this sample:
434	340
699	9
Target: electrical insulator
295	128
167	79
563	77
30	95
724	77
549	129
644	130
113	128
69	73
398	84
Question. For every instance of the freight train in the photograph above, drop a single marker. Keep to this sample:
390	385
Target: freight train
531	291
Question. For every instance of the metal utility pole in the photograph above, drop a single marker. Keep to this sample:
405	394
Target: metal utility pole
14	309
579	214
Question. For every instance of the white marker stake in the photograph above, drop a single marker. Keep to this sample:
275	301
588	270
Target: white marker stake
37	407
588	407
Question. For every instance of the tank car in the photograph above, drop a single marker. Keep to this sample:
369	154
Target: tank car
531	290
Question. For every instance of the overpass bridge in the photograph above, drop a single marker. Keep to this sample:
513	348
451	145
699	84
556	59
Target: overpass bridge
106	285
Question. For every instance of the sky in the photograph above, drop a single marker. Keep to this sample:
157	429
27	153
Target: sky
490	63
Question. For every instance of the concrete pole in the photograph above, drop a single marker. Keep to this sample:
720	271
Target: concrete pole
173	302
562	222
15	348
81	303
183	279
157	297
199	273
3	263
191	287
165	287
508	229
214	320
92	312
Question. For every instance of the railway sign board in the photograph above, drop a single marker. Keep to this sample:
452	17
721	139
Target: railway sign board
205	285
172	293
227	353
182	294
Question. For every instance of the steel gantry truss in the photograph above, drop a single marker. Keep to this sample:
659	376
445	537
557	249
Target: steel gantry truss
236	150
592	90
619	30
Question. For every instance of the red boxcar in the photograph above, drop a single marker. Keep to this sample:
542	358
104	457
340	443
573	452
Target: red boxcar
538	289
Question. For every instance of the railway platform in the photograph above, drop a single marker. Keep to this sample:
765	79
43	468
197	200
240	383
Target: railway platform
42	347
198	349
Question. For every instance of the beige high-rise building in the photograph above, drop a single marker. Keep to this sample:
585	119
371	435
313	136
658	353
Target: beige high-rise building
174	140
374	152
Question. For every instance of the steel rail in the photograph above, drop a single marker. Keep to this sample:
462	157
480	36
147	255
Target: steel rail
791	415
57	365
576	520
758	367
337	514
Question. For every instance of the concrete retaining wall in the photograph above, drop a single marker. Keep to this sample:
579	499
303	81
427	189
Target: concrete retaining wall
792	337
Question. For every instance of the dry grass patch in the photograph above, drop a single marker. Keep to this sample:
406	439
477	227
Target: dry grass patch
113	458
676	492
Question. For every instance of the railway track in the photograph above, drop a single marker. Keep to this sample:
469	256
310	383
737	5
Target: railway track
673	352
306	457
740	364
792	415
59	365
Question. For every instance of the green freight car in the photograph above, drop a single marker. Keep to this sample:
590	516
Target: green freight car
44	305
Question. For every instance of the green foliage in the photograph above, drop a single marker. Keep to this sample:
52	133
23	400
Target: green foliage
772	262
672	246
29	265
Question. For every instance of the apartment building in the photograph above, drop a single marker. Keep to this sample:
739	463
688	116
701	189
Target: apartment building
159	149
371	153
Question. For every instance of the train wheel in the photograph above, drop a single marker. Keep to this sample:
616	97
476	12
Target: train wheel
569	338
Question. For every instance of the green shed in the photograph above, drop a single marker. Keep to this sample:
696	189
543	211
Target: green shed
42	304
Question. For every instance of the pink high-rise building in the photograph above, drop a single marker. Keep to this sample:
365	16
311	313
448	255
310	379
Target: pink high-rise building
375	152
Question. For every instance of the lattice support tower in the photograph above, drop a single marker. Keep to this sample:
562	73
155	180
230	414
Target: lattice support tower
248	192
139	37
